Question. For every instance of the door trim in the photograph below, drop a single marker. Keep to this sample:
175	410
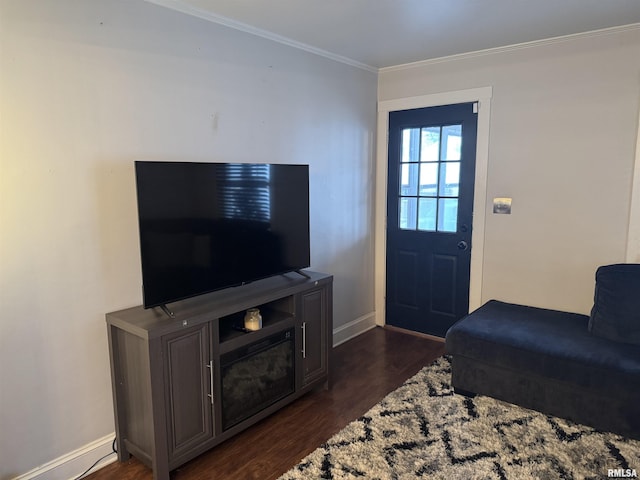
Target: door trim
483	97
633	235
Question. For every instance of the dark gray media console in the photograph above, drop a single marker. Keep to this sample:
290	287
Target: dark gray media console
183	385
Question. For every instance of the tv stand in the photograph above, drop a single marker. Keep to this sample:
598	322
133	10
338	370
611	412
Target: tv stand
166	373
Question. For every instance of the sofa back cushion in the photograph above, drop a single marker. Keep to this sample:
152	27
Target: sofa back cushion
616	311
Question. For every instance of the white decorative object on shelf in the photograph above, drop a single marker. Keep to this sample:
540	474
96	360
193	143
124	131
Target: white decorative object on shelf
253	319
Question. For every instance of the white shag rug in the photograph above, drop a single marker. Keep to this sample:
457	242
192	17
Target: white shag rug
424	430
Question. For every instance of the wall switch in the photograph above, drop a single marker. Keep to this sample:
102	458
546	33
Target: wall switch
502	205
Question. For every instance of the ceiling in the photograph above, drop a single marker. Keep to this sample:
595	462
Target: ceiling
375	34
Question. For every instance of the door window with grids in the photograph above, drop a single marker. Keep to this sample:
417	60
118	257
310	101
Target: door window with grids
430	178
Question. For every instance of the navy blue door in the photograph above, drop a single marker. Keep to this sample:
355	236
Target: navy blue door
429	216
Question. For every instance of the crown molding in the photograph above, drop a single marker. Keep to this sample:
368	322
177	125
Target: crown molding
228	22
512	48
181	6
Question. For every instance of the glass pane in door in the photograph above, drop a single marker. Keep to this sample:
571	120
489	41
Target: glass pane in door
427	209
430	178
449	179
451	142
447	214
430	148
409	179
408	213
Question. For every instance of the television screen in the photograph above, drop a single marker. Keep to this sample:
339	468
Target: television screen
208	226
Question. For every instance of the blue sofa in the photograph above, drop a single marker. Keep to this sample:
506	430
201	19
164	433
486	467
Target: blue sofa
582	368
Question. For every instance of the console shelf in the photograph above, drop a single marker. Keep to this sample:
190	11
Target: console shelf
231	339
167	373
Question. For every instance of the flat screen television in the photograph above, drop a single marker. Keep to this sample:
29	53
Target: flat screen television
209	226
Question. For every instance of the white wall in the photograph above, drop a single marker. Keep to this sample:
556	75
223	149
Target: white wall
564	121
86	88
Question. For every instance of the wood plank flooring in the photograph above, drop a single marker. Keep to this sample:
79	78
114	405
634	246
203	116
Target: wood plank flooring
363	371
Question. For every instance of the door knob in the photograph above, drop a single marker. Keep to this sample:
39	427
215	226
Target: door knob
462	245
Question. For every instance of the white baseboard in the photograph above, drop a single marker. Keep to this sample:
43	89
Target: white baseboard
73	464
354	328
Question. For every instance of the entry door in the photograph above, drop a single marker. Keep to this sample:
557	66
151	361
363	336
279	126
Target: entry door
429	216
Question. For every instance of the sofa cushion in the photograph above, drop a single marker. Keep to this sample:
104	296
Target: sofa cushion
616	311
545	342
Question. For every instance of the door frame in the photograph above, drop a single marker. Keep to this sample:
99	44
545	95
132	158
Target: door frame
481	95
633	235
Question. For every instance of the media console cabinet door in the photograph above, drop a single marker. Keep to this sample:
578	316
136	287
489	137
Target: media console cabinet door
188	380
314	315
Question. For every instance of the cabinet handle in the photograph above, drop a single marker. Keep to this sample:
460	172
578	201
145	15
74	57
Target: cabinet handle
210	367
304	339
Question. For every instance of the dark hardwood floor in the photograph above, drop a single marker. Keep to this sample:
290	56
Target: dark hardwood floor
363	371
